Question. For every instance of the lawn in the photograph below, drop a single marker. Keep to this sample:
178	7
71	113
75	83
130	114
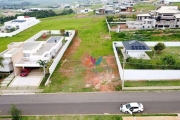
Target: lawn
156	61
152	83
88	117
144	7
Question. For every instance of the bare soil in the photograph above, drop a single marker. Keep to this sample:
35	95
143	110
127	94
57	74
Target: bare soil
102	77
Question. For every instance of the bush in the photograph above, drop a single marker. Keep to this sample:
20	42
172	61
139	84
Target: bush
15	113
109	18
118	87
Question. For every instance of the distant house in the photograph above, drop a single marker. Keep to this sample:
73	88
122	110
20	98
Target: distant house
135	49
116	7
85	11
19	24
164	17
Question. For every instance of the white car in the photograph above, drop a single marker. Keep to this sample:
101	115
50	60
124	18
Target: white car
132	107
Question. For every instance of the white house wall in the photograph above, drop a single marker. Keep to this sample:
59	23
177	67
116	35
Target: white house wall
136	74
135	54
60	54
25	26
7	67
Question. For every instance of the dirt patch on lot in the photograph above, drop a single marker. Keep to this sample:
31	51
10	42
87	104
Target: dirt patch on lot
103	76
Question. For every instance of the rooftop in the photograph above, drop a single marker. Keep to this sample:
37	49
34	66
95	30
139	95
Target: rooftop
45	47
20	21
54	39
147	14
135	45
31	45
168	9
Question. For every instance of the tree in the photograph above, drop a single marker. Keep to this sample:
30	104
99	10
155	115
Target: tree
134	16
110	18
159	47
1	59
62	31
42	63
15	113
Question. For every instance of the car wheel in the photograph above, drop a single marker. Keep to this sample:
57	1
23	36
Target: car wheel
139	111
126	112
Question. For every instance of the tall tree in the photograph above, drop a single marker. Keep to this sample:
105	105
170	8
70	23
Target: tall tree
42	63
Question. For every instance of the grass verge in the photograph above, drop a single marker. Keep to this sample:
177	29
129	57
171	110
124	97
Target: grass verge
152	83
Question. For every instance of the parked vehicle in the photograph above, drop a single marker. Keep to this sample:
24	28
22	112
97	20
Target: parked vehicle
132	107
25	72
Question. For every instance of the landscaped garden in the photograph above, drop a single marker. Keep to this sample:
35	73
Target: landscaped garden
148	35
169	58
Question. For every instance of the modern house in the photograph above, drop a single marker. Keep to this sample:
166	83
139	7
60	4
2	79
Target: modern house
143	74
28	53
14	27
116	7
135	49
164	17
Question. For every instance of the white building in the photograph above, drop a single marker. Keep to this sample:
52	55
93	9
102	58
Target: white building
28	53
19	24
164	17
135	49
83	11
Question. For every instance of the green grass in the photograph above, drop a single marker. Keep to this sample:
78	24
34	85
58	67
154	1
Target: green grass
148	35
155	62
144	7
152	83
88	117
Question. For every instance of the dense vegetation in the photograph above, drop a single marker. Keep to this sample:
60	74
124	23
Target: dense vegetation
37	14
148	35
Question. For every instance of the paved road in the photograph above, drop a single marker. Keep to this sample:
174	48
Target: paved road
90	103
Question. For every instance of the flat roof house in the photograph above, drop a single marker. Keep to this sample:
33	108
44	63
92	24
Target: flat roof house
164	17
26	54
19	24
135	49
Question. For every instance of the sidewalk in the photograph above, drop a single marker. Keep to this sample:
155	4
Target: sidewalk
153	118
153	88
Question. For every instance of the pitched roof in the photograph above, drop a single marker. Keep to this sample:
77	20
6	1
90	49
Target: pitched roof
135	45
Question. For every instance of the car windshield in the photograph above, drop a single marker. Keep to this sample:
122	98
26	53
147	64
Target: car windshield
128	106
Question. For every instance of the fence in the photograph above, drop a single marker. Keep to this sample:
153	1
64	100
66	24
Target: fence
134	74
60	54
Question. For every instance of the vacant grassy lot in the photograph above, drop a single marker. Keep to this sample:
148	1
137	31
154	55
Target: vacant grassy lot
144	7
152	83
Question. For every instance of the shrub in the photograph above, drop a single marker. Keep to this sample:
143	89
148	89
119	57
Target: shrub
159	47
109	18
15	113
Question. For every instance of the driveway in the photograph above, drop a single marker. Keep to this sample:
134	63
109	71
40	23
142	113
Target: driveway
24	85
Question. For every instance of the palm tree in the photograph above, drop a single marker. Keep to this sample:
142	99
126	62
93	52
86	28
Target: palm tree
1	59
42	63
